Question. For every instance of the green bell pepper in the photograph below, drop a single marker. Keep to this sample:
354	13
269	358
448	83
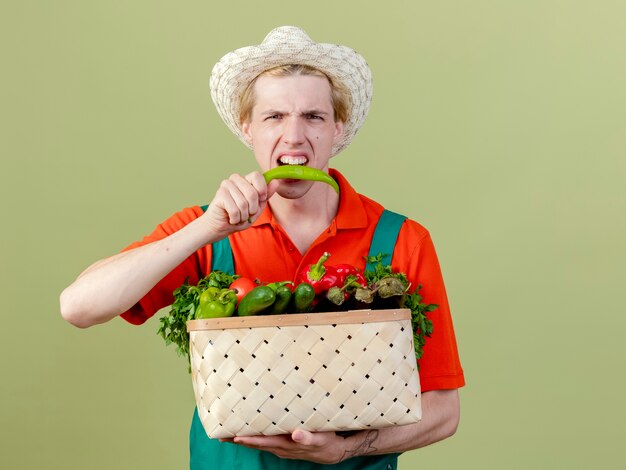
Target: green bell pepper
216	303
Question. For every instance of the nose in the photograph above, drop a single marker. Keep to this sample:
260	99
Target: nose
293	131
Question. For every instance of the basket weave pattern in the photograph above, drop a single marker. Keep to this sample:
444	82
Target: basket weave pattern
273	379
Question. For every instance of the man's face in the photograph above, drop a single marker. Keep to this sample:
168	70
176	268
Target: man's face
292	123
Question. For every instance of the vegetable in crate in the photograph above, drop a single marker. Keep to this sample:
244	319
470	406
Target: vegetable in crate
382	274
173	326
242	286
303	297
388	287
345	270
422	325
352	282
283	297
257	300
216	303
321	277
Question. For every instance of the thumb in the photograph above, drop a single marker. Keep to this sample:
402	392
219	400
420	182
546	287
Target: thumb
302	437
271	188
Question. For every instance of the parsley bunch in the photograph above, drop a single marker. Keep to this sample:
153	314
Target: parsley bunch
381	270
173	326
422	325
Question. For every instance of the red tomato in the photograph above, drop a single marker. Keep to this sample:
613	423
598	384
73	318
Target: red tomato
242	286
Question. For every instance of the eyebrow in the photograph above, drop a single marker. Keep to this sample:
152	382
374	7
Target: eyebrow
319	112
315	111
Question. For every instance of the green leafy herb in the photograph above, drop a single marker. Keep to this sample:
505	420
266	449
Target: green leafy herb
218	279
381	271
173	326
422	325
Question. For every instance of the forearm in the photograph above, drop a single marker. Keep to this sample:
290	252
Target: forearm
440	418
111	286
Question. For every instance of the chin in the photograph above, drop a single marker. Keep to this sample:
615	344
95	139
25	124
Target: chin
290	194
294	190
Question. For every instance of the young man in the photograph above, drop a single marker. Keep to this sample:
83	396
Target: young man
293	102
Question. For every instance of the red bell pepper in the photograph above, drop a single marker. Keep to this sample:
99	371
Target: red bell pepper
321	277
345	270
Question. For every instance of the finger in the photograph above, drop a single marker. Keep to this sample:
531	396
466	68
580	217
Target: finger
254	190
272	187
261	441
303	437
250	192
258	183
225	202
241	209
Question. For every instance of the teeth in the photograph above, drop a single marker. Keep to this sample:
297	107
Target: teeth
292	160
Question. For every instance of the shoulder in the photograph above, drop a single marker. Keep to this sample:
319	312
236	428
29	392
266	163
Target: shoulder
365	210
414	241
411	230
414	231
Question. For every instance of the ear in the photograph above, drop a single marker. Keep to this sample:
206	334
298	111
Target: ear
338	131
245	129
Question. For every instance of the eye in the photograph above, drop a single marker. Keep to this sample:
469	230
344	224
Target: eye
314	117
273	116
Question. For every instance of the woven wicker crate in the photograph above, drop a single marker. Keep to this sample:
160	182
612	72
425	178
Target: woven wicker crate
319	372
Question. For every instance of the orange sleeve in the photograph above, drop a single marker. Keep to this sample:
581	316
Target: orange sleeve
194	268
440	366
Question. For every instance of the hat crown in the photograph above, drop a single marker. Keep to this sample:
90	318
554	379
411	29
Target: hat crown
287	34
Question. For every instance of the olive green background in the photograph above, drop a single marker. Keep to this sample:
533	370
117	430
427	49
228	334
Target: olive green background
500	125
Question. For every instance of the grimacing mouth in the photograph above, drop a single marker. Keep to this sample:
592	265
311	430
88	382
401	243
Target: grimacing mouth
293	160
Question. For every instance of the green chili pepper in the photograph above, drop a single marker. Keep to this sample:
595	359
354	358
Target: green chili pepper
300	172
216	303
303	297
257	300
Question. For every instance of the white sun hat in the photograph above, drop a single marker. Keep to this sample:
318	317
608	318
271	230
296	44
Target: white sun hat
288	45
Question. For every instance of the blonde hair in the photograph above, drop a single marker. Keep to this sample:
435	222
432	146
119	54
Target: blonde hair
339	94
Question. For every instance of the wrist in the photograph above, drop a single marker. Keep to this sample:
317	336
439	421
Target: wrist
360	443
204	232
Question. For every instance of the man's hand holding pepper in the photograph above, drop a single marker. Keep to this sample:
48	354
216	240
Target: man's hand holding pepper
238	202
113	285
